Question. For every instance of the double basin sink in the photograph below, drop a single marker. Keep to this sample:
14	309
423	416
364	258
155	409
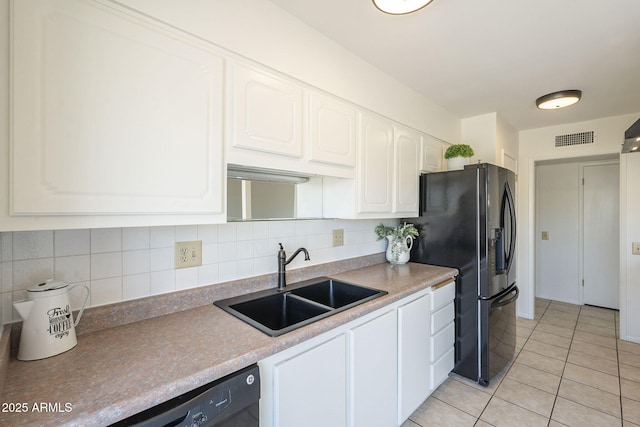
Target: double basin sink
278	312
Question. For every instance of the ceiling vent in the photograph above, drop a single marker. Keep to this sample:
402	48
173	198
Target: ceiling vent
575	139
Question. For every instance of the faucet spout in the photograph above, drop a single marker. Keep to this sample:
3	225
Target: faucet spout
282	263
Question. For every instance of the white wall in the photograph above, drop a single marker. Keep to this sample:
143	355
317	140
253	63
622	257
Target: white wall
537	145
480	133
493	140
629	232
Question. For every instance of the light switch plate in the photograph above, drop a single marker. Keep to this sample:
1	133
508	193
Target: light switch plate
188	254
635	248
545	235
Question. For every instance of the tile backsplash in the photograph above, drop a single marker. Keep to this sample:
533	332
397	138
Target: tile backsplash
119	264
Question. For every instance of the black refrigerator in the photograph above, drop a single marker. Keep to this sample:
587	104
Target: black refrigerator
467	221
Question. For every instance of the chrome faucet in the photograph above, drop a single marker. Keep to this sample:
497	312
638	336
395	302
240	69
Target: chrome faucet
283	261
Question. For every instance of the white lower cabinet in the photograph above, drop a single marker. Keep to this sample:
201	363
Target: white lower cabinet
310	389
414	349
373	371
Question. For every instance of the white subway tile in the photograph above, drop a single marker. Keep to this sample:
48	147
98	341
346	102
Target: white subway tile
244	231
186	278
162	281
106	291
209	253
161	259
105	265
29	273
227	232
7	246
186	233
135	262
260	229
106	240
227	271
208	233
162	237
227	251
72	242
134	238
208	274
6	276
72	269
78	293
136	286
32	244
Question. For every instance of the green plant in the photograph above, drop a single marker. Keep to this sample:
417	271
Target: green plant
399	232
458	150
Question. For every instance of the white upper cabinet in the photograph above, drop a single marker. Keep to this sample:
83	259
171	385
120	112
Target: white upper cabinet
386	185
332	131
376	165
112	116
406	177
266	113
432	157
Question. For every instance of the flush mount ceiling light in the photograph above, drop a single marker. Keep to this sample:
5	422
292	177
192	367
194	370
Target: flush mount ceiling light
556	100
400	7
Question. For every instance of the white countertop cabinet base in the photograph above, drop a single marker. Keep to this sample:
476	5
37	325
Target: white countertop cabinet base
372	371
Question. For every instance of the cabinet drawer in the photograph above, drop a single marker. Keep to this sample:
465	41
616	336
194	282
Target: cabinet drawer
442	295
441	318
440	369
442	342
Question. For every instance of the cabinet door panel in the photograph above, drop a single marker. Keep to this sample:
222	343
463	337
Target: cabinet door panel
407	147
432	154
266	112
374	364
376	165
311	388
111	114
332	131
414	354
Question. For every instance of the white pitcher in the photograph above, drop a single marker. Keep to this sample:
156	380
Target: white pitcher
48	327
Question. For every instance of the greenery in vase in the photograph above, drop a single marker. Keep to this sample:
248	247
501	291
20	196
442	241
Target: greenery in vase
458	150
398	238
399	232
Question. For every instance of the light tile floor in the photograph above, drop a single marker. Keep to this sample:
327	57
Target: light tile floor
570	369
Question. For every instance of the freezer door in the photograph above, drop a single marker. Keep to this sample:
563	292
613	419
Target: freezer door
498	333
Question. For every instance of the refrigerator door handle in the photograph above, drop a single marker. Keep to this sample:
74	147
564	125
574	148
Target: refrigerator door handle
500	302
499	294
508	208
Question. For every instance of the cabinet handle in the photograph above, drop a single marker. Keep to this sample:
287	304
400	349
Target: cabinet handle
441	284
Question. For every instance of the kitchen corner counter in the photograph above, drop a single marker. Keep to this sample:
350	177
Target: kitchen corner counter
117	372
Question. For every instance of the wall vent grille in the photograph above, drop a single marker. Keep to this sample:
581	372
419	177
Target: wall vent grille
575	139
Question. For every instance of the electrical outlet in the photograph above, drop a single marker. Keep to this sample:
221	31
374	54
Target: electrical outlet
635	248
338	237
545	235
188	254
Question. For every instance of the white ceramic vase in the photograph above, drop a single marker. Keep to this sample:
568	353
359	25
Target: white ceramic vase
398	250
457	163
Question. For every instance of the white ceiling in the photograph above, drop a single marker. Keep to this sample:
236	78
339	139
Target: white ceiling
474	57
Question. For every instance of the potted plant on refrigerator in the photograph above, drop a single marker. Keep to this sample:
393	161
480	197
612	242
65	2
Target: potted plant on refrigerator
458	155
400	241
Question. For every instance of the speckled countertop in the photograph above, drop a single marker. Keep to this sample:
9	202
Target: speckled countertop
117	372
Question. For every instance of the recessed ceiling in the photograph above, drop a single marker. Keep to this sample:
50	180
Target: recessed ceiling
475	57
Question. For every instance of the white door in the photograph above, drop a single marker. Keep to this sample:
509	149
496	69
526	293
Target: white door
601	260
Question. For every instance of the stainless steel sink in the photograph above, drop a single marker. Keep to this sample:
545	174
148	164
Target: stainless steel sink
278	312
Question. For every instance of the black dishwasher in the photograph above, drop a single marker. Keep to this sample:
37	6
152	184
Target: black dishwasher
231	401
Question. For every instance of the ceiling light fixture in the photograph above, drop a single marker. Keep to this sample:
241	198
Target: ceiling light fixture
561	99
400	7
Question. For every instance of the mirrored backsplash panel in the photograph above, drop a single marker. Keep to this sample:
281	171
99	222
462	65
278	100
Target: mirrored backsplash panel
251	199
